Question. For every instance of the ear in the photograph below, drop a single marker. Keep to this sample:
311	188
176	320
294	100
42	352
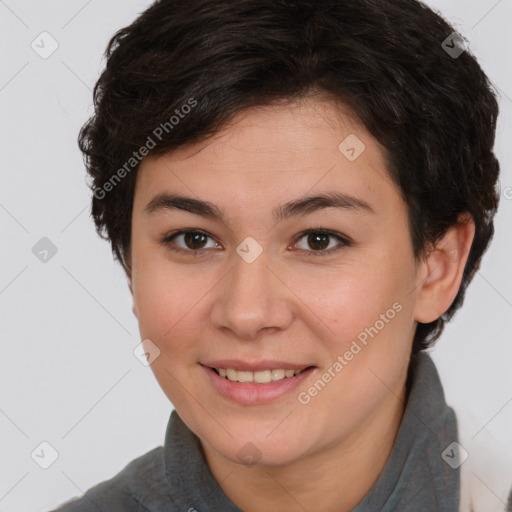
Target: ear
441	272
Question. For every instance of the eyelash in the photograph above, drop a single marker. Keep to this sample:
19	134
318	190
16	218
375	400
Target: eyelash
345	242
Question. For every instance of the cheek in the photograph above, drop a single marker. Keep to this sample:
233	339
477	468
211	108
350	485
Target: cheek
370	314
163	294
353	297
172	303
371	320
169	306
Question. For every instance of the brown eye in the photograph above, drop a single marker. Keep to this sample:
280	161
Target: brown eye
191	241
194	240
319	242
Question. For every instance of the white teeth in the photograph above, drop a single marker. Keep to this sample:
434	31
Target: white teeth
245	376
260	377
277	375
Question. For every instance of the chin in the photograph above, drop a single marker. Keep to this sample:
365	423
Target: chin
252	448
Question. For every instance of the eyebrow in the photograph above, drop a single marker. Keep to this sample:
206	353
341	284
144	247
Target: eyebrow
301	206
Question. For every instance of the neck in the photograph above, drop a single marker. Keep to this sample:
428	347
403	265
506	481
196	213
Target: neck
333	479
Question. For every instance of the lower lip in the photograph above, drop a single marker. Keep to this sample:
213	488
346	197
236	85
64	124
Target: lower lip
251	393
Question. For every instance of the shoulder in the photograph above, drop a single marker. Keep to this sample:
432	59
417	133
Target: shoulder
486	474
126	491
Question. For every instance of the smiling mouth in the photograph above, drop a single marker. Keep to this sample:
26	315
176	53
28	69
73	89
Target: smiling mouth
258	377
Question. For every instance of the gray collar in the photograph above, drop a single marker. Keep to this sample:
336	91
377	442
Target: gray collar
416	477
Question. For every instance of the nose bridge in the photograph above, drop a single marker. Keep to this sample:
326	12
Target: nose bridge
252	298
250	279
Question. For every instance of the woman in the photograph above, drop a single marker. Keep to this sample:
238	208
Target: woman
300	193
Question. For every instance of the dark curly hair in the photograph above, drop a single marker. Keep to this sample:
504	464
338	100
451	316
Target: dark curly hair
434	112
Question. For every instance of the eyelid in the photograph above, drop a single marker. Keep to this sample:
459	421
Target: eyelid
344	241
167	241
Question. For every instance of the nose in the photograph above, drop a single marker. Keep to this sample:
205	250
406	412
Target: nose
253	300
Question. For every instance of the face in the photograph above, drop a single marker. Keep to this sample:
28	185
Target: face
264	279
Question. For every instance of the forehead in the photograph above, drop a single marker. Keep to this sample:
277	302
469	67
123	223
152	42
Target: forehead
266	154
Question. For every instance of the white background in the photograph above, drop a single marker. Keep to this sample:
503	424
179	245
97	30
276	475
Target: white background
68	375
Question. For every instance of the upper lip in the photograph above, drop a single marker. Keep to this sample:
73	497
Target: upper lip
247	366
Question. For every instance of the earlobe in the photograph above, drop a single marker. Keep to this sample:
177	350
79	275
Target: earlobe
443	269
